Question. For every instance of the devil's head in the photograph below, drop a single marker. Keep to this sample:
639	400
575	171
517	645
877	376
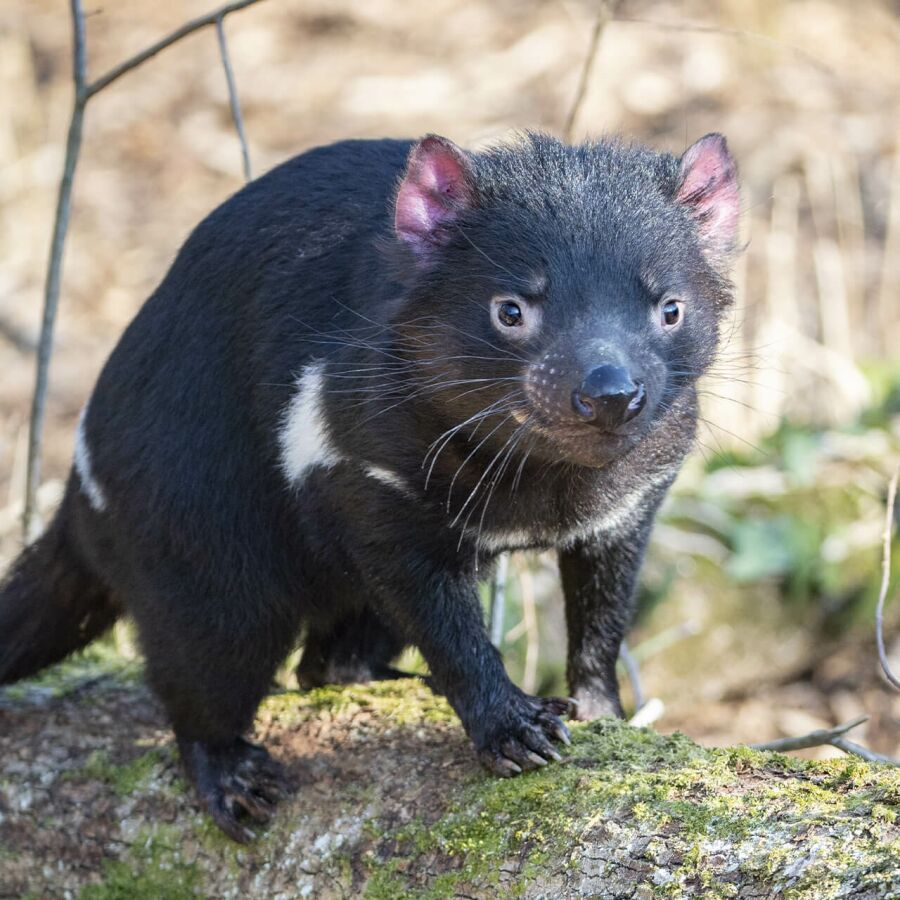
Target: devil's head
566	294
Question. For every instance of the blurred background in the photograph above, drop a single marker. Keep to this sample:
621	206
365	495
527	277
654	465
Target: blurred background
758	594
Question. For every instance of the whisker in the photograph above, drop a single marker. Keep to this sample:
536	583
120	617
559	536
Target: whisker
463	464
478	484
518	476
432	382
743	440
512	443
498	407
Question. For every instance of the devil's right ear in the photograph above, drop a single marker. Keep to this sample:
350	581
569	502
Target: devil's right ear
436	189
708	189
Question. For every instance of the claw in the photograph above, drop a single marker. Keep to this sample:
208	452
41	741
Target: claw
226	819
506	768
539	744
561	733
500	765
256	806
520	754
271	791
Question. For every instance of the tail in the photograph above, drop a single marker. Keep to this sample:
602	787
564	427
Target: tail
50	603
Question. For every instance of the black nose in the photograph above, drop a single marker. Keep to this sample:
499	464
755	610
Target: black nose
608	397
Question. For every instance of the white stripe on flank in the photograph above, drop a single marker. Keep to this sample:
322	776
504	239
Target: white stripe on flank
89	484
303	437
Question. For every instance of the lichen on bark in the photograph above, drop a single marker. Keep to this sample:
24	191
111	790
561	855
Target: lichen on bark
390	803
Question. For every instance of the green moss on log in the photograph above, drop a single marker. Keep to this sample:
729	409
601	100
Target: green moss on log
635	783
392	804
154	870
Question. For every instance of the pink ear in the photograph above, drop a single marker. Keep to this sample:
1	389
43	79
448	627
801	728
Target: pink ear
708	187
436	188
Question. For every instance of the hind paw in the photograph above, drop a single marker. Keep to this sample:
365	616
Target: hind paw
236	784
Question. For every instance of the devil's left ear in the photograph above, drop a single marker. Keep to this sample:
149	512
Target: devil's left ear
708	188
437	187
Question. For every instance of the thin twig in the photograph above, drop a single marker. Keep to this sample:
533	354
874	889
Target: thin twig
188	28
233	96
634	675
828	736
498	592
886	580
529	616
605	13
30	518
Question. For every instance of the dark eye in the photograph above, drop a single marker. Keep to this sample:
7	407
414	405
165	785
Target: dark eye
510	314
516	318
671	313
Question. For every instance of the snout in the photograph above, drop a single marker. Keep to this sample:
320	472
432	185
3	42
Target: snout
608	397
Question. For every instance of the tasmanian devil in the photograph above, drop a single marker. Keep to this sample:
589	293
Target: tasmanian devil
366	375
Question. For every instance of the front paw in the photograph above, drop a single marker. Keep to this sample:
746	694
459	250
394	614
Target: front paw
520	738
589	704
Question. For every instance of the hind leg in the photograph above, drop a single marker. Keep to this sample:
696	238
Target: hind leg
211	663
358	647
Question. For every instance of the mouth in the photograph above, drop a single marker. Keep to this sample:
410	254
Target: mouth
584	444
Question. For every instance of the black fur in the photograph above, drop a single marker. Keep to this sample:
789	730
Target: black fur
221	562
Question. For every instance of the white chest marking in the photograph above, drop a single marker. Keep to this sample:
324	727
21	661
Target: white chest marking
89	484
303	438
631	505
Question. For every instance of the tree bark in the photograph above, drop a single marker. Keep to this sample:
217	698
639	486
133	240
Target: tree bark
390	803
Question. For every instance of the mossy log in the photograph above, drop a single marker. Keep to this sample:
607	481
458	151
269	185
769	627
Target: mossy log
390	803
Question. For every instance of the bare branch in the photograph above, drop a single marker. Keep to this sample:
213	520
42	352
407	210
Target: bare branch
864	752
605	14
816	738
188	28
79	50
31	518
233	96
828	736
83	92
886	580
